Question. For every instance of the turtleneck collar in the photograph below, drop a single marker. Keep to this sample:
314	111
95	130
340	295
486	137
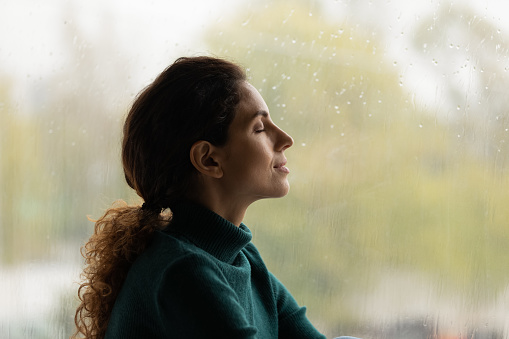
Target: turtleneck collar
209	231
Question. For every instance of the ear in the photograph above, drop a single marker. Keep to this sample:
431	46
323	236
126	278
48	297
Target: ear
203	157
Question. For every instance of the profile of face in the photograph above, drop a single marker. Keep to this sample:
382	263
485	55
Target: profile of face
253	160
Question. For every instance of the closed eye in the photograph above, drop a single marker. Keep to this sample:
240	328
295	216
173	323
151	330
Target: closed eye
260	131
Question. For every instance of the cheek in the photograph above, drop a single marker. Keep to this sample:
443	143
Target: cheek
260	160
250	160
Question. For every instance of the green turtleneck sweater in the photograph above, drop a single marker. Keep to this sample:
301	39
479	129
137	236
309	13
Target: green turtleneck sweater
201	277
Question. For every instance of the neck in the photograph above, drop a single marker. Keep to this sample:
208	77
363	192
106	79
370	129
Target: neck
235	215
225	206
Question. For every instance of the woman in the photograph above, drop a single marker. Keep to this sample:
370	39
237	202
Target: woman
198	142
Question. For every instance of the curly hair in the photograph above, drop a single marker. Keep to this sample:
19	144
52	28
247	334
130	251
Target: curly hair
193	99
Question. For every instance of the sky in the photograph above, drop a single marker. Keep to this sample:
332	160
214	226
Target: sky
31	30
150	34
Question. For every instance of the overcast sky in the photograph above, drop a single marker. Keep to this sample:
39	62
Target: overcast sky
150	33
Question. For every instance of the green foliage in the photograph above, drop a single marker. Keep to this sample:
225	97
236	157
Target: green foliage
377	184
60	158
24	185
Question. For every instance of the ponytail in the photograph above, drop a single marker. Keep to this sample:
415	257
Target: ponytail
119	237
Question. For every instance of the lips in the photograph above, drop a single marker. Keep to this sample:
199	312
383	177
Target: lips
281	167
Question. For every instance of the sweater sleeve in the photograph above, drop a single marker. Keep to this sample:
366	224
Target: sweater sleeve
195	301
293	322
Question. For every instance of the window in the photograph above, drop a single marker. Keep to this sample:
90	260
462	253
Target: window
396	224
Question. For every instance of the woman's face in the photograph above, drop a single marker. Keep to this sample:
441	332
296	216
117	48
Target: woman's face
254	163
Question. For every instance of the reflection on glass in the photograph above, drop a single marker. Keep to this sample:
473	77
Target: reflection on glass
400	184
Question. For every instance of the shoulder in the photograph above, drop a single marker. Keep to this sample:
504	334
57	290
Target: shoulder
176	288
168	247
171	256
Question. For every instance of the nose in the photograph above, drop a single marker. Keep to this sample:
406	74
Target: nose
285	140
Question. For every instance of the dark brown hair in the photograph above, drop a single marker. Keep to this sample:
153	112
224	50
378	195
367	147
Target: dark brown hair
193	99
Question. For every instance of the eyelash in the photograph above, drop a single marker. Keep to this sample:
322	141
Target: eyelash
260	131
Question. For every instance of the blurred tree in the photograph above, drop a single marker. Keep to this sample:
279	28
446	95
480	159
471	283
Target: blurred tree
379	186
24	185
470	54
60	148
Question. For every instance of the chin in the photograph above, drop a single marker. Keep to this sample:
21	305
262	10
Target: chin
274	195
282	192
274	191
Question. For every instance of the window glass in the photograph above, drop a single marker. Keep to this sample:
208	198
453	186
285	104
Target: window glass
396	224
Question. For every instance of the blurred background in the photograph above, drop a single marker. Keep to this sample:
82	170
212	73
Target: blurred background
397	222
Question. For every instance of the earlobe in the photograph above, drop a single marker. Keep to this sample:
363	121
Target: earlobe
203	158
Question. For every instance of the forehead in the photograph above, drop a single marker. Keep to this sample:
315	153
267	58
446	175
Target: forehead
251	102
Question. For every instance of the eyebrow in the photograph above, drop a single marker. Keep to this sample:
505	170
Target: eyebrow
261	113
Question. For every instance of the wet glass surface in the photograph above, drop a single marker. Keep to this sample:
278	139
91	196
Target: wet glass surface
396	225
